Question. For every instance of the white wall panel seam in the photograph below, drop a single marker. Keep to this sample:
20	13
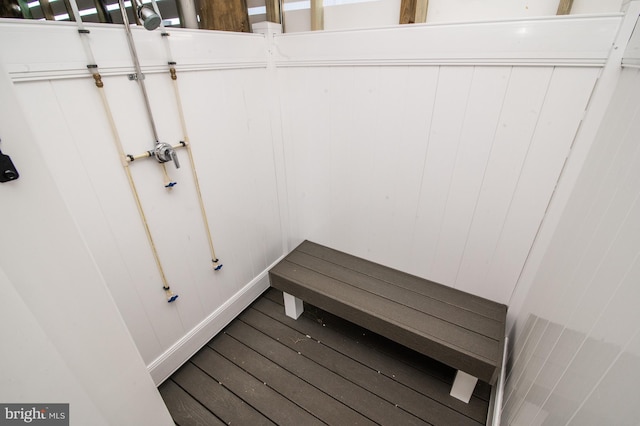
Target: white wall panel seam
515	189
455	161
426	154
484	173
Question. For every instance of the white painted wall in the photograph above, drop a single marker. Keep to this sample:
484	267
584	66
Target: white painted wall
63	340
577	351
443	171
224	93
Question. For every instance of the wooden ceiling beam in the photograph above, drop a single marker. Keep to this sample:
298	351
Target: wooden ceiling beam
413	11
274	11
317	15
224	15
564	7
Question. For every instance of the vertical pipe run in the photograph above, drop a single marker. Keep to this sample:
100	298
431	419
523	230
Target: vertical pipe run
93	68
174	78
176	90
136	64
186	12
168	182
118	143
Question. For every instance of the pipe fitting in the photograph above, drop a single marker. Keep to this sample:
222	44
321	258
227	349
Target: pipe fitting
216	265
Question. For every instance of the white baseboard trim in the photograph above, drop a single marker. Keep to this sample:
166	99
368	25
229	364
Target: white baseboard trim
167	363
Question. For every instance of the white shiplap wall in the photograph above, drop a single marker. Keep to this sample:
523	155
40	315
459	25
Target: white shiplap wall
420	160
63	339
444	172
577	353
225	97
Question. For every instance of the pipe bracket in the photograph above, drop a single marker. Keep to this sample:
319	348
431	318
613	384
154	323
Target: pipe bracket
135	77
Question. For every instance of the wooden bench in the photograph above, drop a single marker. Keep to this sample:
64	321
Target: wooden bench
461	330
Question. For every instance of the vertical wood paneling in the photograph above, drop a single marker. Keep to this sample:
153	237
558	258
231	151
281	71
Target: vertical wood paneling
588	373
357	189
384	124
461	202
63	338
405	149
237	176
484	105
450	106
112	211
519	116
564	106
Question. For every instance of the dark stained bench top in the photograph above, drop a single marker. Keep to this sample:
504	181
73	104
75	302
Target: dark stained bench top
461	330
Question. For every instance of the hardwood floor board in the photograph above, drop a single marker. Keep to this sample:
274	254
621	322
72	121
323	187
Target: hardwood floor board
228	407
427	385
185	410
287	384
374	342
268	369
370	379
361	400
264	399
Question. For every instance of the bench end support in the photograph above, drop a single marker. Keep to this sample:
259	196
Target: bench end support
463	386
293	306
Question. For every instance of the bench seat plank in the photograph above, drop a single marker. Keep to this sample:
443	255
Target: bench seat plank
465	334
466	301
433	307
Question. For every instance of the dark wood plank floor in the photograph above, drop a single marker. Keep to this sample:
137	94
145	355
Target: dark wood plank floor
265	368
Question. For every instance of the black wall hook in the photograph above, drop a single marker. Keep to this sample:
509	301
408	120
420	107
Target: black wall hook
8	171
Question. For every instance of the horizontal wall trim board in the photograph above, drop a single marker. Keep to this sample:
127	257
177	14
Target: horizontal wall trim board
40	75
444	62
583	40
167	363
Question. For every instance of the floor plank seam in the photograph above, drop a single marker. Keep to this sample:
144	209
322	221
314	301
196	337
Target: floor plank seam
320	365
311	317
395	404
374	370
234	393
265	383
267	369
196	399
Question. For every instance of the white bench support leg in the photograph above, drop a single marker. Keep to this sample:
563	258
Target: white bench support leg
463	386
293	306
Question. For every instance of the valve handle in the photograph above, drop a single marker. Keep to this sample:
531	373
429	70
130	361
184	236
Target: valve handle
174	157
